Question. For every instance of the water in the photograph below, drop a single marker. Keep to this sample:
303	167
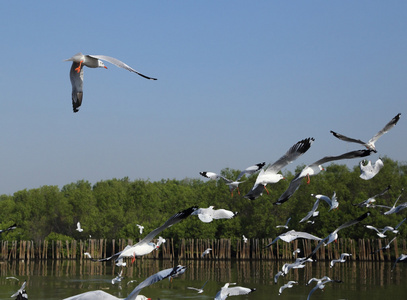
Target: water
51	280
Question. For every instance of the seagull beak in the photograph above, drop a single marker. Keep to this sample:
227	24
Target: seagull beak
105	67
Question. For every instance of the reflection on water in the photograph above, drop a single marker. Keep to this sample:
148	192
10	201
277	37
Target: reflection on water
56	279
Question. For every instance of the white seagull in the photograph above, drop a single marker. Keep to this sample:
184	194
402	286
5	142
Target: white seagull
207	215
140	227
332	202
232	184
206	252
321	285
289	285
270	174
9	228
78	227
341	259
101	295
314	169
145	246
333	236
251	170
380	232
118	278
296	251
371	143
292	235
226	291
285	225
21	292
400	258
368	171
200	290
313	212
298	264
385	247
369	202
91	61
398	225
244	239
394	209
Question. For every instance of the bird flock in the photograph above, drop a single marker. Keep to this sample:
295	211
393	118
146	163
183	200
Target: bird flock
266	176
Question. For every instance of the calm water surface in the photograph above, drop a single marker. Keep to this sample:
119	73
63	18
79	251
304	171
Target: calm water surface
48	280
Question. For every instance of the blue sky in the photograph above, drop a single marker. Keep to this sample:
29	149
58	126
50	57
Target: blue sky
239	82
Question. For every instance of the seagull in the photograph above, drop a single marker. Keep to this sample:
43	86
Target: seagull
279	273
332	202
251	170
145	246
200	290
370	145
207	251
207	215
368	171
369	202
292	235
177	271
333	236
317	280
314	169
118	278
21	293
296	251
78	227
141	227
101	295
380	232
394	208
244	239
385	247
226	291
271	175
298	264
232	184
289	284
400	258
313	212
91	61
341	259
285	225
398	225
321	285
12	227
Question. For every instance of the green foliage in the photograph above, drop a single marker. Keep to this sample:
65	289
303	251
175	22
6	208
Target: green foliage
113	208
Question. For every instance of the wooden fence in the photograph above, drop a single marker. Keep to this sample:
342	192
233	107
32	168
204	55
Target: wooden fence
222	249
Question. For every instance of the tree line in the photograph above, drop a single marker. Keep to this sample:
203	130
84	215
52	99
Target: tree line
112	209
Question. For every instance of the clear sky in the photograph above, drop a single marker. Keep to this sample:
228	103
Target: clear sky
239	82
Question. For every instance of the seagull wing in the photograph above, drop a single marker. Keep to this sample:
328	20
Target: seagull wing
239	290
171	221
353	222
77	86
311	212
292	154
386	128
294	185
250	170
120	64
347	155
150	280
222	214
347	139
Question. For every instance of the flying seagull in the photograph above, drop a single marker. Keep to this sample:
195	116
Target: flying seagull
145	246
385	247
206	252
21	293
321	285
332	202
341	259
91	61
12	227
140	227
226	291
200	290
232	184
394	208
292	235
369	202
251	170
400	258
368	171
313	212
207	215
333	236
101	295
314	169
285	225
371	143
78	227
289	284
271	175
